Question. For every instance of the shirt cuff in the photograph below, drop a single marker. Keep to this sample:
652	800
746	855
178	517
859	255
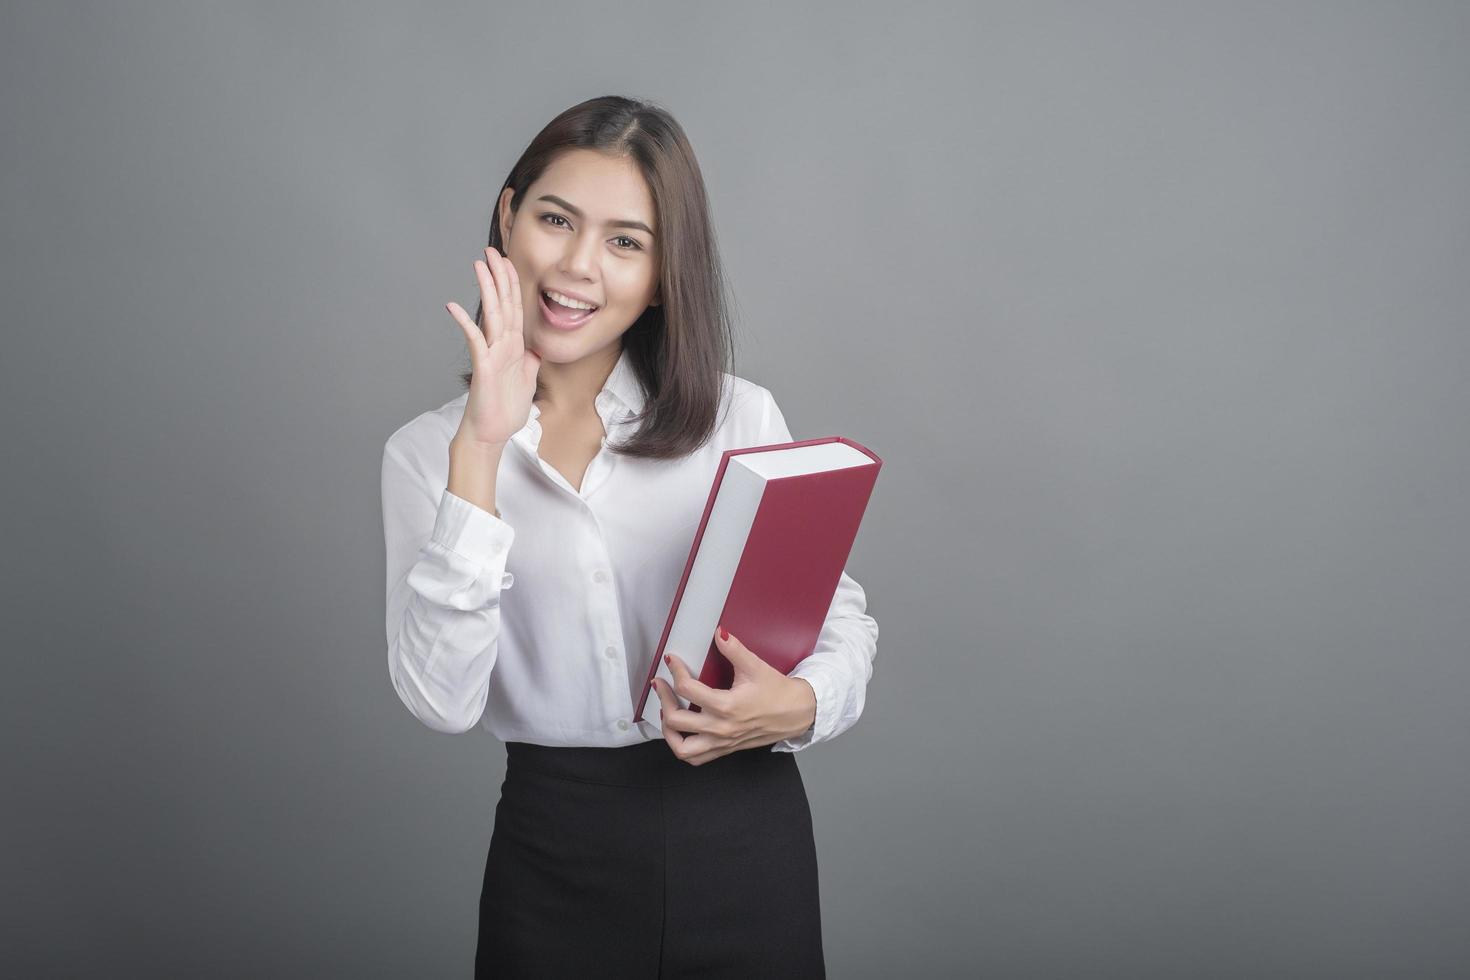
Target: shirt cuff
825	707
474	533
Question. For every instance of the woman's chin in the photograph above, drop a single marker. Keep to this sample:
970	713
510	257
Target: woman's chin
553	345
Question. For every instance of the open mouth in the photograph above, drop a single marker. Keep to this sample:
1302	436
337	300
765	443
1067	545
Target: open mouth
564	316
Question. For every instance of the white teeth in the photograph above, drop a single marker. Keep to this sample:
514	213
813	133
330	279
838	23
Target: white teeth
575	304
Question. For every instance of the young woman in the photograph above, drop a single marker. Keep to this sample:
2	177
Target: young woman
537	528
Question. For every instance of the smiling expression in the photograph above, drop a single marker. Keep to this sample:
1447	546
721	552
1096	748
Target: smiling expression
586	229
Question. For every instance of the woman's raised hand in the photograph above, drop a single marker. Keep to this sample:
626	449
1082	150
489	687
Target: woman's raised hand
504	372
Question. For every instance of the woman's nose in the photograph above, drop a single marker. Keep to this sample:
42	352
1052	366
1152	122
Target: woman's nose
580	258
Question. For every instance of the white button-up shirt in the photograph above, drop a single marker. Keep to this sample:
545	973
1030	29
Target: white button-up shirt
537	625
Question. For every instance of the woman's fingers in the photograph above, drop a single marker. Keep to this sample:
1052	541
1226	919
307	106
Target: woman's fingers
508	288
500	298
502	277
517	313
472	334
489	301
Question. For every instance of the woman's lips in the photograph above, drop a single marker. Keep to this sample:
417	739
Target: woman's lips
560	317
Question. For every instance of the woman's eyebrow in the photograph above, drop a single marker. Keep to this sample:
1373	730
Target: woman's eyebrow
578	212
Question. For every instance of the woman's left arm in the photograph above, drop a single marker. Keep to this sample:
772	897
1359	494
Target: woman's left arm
838	668
821	698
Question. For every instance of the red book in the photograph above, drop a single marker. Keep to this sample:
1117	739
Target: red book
771	548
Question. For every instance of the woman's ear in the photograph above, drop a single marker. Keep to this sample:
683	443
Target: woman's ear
504	216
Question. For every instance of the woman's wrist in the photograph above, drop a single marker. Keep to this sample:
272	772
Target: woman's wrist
472	470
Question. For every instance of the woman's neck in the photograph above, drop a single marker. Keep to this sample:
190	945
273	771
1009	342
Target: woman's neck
570	389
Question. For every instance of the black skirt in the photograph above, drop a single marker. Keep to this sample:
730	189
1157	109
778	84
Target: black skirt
630	863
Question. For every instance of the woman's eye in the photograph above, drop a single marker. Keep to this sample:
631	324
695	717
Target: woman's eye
632	246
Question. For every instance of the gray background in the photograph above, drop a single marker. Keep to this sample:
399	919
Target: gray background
1156	314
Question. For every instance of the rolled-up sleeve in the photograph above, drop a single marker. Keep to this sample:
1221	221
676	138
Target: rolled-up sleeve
841	664
446	563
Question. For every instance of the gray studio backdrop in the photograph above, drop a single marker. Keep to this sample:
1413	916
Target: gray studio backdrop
1156	313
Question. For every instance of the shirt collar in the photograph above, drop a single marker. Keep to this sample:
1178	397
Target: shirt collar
623	384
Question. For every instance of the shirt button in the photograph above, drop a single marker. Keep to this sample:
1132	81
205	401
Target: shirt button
611	652
599	576
623	724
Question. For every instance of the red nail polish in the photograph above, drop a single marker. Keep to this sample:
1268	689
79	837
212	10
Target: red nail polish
667	661
724	635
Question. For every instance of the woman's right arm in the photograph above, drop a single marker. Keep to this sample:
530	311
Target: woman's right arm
446	570
446	557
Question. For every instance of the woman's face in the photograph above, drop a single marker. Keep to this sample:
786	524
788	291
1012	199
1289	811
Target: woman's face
568	238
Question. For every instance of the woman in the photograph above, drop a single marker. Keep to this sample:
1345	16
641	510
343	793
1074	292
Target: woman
537	528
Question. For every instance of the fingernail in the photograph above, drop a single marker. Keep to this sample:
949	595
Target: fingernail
724	635
668	662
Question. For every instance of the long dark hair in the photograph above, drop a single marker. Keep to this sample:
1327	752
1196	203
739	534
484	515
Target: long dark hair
679	348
